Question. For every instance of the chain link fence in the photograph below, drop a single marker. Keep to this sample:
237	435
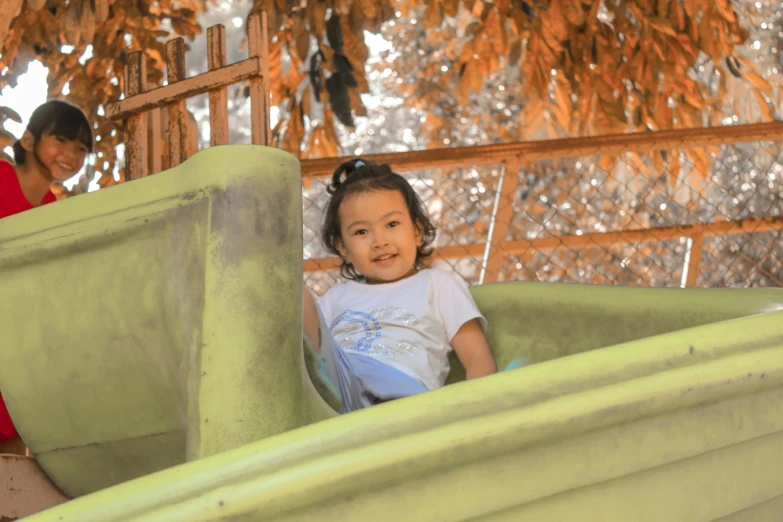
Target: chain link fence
708	215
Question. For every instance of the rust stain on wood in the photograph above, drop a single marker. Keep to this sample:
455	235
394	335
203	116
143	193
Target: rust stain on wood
259	85
136	127
178	125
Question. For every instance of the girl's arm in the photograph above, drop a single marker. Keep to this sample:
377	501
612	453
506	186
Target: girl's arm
311	320
473	350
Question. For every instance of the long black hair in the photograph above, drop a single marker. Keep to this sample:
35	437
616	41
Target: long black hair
58	118
360	176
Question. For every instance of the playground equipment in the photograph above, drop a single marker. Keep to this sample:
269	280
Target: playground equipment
171	383
152	360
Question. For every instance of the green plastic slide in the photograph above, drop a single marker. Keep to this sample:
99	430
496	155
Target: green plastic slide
152	359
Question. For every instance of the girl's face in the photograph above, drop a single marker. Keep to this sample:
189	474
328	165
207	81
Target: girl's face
61	157
378	236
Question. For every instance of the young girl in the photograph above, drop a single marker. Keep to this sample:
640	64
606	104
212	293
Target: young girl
387	332
52	149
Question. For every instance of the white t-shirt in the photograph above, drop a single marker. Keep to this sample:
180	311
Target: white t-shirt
408	324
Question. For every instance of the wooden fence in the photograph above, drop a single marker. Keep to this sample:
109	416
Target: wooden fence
141	111
140	108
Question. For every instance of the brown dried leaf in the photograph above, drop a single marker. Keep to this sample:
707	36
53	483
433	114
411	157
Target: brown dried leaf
463	91
607	162
101	10
698	157
357	105
6	138
691	7
303	44
87	25
551	130
474	77
515	53
355	48
451	7
673	157
574	12
9	113
496	32
433	16
758	82
662	26
766	110
532	112
295	131
306	101
316	16
368	7
72	22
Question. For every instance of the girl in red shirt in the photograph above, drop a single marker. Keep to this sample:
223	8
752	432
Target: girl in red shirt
52	150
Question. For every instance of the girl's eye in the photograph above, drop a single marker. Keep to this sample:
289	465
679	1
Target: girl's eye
60	139
359	232
393	224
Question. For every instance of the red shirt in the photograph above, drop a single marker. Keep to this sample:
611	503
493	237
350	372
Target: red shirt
12	201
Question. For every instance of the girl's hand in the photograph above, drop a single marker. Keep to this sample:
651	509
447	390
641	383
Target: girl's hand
473	350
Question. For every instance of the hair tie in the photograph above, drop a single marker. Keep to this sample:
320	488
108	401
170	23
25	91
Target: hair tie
359	163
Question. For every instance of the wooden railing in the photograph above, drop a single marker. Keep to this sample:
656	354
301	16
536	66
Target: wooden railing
512	155
140	108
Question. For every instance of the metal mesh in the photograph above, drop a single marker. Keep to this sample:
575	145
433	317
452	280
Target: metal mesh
707	217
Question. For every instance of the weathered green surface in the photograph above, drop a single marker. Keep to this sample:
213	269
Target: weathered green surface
174	334
149	323
679	426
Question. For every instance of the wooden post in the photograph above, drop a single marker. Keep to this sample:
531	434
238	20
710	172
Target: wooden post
155	156
694	258
502	214
178	126
259	85
218	99
136	125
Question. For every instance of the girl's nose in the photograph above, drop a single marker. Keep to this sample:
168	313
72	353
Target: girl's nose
380	240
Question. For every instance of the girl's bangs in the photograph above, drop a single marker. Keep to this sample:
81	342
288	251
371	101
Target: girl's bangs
72	125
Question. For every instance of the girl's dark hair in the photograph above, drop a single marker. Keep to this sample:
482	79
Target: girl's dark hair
349	180
60	119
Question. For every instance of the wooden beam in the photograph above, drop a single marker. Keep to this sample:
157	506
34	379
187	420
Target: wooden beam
717	228
605	239
218	98
613	145
136	126
259	86
230	74
178	112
